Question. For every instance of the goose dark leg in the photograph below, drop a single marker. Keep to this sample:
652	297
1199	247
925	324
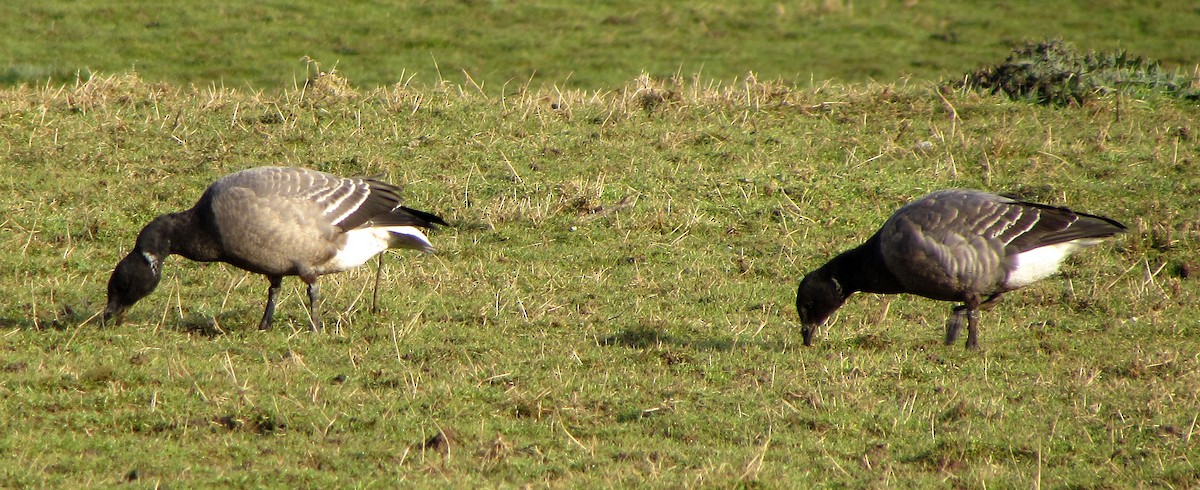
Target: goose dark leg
973	328
954	323
314	299
973	319
969	309
972	316
272	296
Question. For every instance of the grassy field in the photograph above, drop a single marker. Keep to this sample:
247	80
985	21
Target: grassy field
585	44
614	303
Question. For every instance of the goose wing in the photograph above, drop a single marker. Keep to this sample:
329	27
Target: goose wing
947	243
347	203
964	240
1052	225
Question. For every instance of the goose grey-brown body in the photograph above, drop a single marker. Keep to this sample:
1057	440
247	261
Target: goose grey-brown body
953	245
275	221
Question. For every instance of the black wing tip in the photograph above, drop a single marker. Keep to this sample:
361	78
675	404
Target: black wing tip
391	193
1115	225
429	219
1098	226
1120	226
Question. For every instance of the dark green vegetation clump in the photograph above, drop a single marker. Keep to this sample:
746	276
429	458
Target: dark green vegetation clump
1056	72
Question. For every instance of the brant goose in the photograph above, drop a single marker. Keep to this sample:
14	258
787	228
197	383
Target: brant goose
274	221
953	245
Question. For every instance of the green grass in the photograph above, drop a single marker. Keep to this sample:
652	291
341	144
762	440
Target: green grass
587	44
614	303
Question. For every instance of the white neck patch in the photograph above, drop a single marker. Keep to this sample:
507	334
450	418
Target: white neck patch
152	261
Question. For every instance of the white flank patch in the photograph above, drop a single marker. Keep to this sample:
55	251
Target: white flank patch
364	243
361	245
1042	262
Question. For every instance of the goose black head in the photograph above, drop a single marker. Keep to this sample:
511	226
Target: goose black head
138	273
135	277
818	296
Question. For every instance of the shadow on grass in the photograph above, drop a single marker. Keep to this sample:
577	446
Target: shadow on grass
645	337
67	317
196	325
21	323
640	337
78	316
204	326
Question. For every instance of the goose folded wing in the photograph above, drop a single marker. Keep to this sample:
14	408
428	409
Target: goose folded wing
1052	225
347	203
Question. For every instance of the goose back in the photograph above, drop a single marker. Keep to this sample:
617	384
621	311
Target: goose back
956	243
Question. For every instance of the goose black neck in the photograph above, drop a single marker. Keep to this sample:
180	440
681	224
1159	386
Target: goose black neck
157	237
177	233
862	269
